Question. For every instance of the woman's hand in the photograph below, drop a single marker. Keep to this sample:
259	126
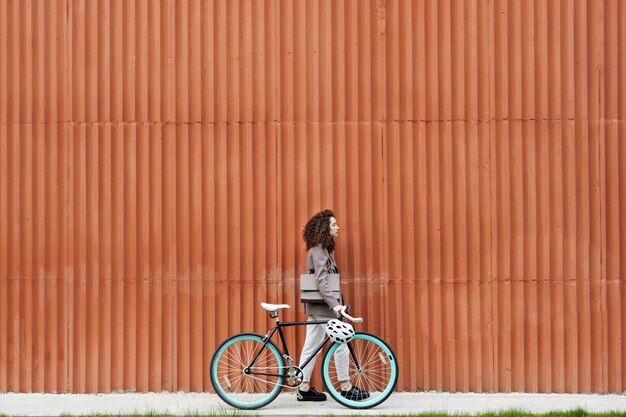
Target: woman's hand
337	309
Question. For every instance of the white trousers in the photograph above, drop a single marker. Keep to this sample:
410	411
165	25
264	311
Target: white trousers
315	334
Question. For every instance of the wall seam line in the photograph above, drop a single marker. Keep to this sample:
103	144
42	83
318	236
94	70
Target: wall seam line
492	259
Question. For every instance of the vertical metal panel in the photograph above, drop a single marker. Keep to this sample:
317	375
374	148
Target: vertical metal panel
159	159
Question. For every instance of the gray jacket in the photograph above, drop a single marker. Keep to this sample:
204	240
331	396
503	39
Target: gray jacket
320	262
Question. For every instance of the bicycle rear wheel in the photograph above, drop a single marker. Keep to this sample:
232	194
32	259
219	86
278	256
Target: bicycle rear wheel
241	385
372	367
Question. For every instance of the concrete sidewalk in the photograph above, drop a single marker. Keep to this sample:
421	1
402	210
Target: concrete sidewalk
286	404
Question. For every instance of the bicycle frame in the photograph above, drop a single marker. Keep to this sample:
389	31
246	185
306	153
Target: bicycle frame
248	370
279	328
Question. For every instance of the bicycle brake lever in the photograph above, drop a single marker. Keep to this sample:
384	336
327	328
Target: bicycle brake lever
349	317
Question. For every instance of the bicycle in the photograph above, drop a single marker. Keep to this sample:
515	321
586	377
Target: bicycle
249	370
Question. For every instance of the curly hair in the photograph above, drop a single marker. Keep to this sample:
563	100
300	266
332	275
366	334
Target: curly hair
317	231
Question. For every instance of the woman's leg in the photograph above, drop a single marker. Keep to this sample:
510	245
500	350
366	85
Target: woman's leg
314	336
341	365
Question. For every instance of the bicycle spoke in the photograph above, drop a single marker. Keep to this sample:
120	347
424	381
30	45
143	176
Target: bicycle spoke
237	358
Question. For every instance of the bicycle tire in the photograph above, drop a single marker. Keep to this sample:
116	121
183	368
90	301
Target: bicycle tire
378	374
241	390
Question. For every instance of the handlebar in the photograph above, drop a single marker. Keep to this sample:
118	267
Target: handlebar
349	317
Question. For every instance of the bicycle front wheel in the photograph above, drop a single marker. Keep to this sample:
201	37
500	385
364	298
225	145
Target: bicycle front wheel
372	367
244	384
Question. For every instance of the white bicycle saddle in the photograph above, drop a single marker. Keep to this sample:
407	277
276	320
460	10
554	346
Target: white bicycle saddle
274	307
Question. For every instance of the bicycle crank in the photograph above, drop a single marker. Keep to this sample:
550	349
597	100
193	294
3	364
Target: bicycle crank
293	378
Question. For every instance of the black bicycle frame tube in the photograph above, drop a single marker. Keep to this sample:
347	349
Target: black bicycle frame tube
356	361
280	325
266	339
281	335
320	347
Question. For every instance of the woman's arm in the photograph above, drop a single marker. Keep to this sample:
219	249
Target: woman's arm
320	263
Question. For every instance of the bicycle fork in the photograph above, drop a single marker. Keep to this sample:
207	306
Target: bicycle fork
357	365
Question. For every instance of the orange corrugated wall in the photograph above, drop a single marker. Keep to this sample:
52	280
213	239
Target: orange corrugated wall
159	159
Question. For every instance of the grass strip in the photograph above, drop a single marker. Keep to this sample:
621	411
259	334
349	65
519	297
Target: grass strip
508	413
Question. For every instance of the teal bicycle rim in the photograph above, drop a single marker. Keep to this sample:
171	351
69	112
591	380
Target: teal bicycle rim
229	397
377	359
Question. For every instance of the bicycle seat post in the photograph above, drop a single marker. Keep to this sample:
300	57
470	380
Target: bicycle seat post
274	315
272	309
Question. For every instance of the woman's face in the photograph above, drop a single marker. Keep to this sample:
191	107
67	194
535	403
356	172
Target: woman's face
334	227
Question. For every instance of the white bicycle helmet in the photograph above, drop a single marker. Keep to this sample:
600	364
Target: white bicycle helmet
339	332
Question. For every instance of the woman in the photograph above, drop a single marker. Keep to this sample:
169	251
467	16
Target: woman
319	235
